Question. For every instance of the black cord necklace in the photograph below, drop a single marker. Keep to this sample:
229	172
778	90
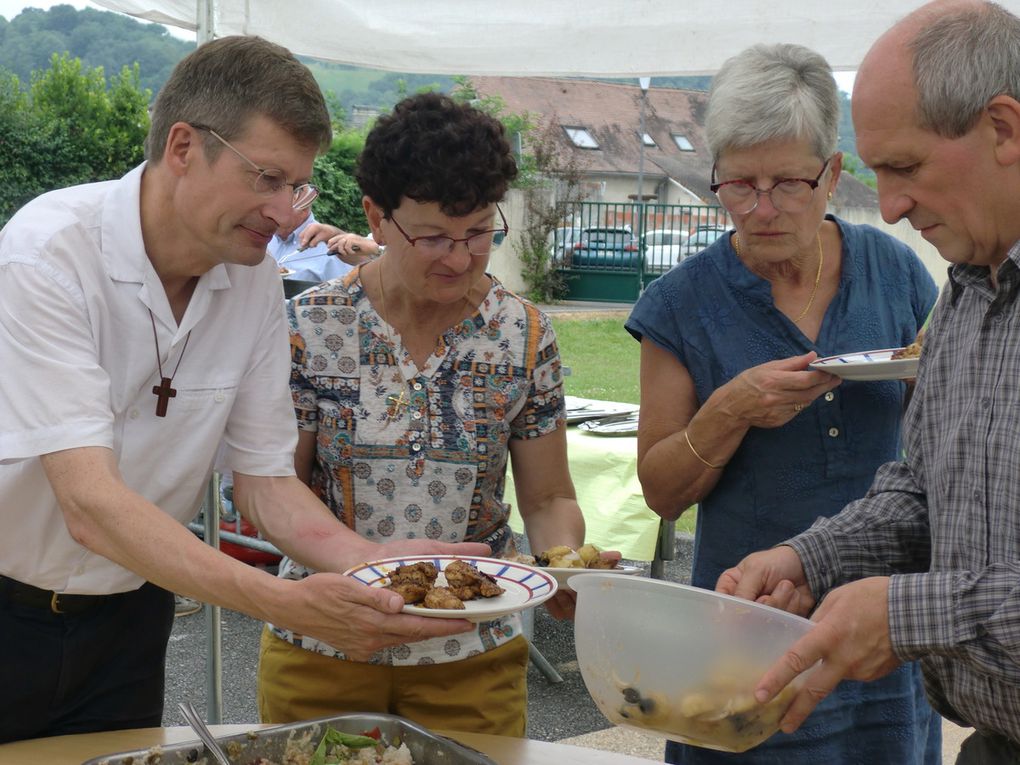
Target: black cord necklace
163	391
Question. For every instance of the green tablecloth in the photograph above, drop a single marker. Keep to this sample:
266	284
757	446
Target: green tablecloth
604	470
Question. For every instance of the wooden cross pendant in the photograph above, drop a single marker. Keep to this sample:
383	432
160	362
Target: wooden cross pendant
395	406
163	393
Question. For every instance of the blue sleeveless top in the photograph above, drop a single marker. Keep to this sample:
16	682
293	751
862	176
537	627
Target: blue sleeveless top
718	319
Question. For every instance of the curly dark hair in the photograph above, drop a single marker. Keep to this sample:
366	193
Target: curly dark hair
433	149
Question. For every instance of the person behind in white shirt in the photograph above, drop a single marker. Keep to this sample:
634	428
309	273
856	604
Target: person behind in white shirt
350	247
315	263
141	327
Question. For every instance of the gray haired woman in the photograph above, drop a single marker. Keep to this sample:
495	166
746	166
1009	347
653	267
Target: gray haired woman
733	418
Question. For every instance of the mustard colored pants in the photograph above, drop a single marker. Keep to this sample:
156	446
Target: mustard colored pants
485	693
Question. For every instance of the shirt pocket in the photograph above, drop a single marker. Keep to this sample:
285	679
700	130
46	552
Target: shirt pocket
210	399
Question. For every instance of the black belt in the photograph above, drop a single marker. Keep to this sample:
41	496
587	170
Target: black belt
59	603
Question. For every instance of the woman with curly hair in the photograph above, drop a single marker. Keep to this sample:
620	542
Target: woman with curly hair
414	379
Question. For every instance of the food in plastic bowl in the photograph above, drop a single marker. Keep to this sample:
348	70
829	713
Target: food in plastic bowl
681	662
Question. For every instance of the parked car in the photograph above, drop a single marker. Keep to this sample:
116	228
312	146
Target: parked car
606	247
699	239
663	247
562	242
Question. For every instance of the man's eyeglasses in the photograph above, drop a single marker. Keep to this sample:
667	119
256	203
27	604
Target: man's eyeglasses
792	195
439	245
270	182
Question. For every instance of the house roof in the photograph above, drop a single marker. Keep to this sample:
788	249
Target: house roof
611	112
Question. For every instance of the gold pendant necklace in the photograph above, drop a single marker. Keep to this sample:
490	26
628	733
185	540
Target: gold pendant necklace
818	274
397	404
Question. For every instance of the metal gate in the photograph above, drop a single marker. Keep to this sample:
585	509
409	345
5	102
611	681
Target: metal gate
612	251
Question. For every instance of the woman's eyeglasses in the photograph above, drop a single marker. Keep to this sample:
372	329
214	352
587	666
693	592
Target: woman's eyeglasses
270	182
439	245
792	195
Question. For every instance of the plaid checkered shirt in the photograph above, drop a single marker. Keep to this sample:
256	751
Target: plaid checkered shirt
945	522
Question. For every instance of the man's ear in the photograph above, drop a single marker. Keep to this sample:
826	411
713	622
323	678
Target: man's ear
1004	113
182	141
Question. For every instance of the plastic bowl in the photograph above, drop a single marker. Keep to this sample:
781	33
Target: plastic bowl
681	662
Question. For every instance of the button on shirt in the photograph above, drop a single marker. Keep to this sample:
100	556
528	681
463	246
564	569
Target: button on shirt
945	523
78	364
316	264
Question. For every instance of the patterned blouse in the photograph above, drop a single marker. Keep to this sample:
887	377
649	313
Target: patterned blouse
406	453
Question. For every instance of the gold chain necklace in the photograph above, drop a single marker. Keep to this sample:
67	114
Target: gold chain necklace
397	404
818	275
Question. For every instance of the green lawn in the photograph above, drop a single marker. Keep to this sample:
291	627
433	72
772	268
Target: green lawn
602	356
604	363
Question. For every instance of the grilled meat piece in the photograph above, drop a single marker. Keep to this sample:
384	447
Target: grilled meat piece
460	575
423	573
411	592
441	597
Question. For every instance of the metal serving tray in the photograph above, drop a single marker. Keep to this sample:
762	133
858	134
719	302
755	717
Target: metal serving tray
426	747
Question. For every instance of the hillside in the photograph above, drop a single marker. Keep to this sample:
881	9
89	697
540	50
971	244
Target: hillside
112	41
98	38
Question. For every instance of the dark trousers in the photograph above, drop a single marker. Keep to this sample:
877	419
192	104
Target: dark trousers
101	668
988	749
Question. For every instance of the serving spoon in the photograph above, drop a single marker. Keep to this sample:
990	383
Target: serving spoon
199	726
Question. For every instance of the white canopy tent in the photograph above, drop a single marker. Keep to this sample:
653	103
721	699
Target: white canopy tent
614	38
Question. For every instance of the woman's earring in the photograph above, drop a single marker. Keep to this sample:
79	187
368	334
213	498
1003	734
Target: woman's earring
830	196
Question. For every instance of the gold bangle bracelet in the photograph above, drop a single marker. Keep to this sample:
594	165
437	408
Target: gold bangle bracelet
694	451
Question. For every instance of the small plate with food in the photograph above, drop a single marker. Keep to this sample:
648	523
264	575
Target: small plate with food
884	364
563	562
456	587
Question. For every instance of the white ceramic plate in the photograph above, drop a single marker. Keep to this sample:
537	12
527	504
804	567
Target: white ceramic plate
563	574
614	425
868	365
526	586
582	409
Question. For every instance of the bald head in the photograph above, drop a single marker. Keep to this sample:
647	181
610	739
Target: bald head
955	55
937	118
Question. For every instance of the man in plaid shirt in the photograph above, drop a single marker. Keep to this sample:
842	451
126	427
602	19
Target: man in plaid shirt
927	565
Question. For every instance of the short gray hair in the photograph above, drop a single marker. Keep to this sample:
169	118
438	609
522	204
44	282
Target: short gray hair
225	83
771	92
963	59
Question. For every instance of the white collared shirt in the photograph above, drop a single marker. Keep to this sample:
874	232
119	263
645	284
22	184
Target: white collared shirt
78	364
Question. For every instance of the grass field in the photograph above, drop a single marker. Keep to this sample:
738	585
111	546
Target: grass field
603	359
604	363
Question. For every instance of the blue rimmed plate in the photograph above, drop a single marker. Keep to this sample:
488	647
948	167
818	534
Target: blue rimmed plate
868	365
525	586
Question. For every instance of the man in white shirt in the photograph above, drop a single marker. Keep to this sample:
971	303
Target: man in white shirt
141	326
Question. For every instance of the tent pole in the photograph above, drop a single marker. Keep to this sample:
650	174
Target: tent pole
205	13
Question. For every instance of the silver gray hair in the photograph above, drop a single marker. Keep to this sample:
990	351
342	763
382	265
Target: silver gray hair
963	59
771	92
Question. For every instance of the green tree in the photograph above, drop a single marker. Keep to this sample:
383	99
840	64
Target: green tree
552	184
99	38
69	128
339	200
